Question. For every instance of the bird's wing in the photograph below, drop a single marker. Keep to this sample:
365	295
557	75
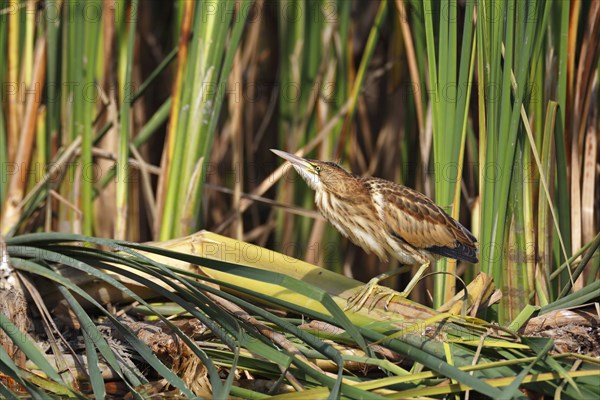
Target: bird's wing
418	221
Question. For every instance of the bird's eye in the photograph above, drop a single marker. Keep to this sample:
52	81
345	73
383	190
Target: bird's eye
317	168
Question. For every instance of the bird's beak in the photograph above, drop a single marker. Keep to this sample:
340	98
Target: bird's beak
296	161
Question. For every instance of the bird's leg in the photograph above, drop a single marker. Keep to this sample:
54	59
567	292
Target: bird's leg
411	285
358	300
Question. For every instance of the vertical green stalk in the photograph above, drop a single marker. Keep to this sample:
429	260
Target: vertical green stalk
91	31
52	56
432	65
76	58
3	131
417	25
178	124
207	72
562	182
72	79
536	108
3	46
543	287
438	78
13	79
507	149
204	117
209	133
291	18
122	194
306	125
332	239
449	113
72	84
41	143
463	98
523	39
515	274
486	136
3	154
528	221
497	12
27	66
179	114
446	56
65	90
464	83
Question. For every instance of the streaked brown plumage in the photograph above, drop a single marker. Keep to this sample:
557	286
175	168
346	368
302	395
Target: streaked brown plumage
384	218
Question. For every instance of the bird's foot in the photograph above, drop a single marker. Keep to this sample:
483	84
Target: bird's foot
374	290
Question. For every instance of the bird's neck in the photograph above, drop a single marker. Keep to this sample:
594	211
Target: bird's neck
331	207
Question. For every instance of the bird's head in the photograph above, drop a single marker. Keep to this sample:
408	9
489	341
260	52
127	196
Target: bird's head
320	175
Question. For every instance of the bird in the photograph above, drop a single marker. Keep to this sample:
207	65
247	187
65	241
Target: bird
384	218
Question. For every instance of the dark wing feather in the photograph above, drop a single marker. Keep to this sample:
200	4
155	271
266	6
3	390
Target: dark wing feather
460	252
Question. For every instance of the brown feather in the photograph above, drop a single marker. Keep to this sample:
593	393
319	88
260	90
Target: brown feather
418	221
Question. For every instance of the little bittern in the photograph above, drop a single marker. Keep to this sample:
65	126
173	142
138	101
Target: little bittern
384	218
